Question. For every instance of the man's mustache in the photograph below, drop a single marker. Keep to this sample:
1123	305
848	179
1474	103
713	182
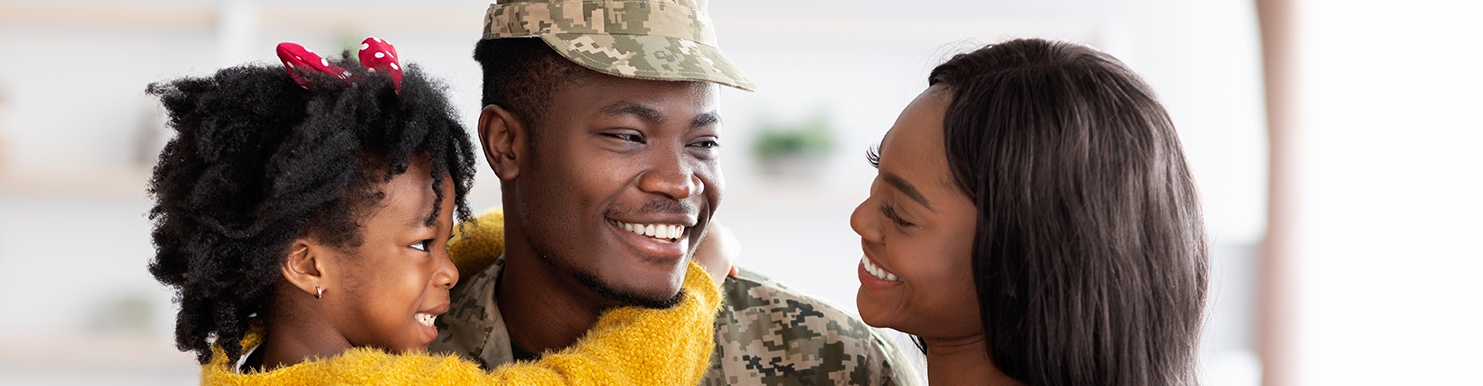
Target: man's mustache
662	207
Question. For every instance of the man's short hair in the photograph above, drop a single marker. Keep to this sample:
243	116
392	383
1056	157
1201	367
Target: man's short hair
521	75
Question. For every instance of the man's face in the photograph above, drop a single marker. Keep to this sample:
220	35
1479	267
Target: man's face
621	180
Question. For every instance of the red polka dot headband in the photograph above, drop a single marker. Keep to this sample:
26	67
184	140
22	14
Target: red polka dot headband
375	54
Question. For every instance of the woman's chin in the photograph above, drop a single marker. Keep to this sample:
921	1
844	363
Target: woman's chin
875	314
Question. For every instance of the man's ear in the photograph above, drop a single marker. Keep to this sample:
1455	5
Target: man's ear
304	268
505	140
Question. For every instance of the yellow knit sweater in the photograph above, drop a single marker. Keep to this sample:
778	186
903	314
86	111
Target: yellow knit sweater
628	346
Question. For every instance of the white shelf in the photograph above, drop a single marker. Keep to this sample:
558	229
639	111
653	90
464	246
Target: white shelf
115	182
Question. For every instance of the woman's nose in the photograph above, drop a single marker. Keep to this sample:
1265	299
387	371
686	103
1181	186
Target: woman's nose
864	223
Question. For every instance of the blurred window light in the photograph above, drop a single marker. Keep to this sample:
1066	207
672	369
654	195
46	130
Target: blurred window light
1390	203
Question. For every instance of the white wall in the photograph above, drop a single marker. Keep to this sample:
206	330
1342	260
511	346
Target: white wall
1392	177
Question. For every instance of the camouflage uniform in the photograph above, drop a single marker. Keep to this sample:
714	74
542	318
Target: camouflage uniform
766	334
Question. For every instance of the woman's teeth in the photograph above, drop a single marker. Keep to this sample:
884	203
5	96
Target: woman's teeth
425	318
878	272
658	231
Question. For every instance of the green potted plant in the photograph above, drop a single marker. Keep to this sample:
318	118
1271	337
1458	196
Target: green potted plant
794	151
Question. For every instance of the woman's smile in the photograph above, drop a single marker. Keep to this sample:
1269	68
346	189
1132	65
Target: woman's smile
875	278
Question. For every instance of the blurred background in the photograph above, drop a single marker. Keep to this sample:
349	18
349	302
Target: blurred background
1378	201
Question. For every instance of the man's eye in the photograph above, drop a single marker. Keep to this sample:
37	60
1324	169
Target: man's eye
423	245
626	137
707	144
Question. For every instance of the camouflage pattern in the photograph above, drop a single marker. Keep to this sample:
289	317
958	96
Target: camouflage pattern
643	39
473	327
769	334
766	334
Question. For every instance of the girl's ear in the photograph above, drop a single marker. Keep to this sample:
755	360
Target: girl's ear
304	267
505	140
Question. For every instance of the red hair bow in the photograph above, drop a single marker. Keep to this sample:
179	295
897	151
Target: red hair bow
376	55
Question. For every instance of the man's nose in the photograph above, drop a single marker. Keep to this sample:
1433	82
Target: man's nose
672	178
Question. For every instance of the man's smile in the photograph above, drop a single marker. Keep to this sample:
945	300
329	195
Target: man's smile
658	240
662	232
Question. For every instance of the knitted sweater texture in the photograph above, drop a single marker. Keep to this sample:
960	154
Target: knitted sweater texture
627	346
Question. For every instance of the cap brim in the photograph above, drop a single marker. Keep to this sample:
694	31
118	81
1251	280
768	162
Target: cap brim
649	57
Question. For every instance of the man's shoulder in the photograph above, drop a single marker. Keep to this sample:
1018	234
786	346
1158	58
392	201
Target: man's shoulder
768	333
473	297
472	328
752	293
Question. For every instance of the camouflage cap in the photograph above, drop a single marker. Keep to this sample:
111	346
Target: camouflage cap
643	39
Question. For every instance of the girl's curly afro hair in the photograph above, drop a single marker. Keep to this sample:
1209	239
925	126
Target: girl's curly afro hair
258	161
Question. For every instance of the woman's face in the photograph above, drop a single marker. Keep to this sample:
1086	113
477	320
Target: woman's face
386	292
917	231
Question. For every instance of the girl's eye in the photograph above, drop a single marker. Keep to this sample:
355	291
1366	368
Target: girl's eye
423	245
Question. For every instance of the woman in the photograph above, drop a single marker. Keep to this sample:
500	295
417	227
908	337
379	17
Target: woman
302	218
1033	222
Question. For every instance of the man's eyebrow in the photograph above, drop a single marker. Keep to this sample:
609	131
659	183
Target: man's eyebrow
704	119
907	188
645	113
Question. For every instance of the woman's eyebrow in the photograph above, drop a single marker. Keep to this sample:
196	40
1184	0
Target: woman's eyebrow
907	188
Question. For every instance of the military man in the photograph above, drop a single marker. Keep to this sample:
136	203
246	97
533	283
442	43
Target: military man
600	120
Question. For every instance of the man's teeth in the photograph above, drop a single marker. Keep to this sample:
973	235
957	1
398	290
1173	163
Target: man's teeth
425	319
878	272
661	231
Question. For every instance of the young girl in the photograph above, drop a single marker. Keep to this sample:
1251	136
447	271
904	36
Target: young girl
1034	222
303	215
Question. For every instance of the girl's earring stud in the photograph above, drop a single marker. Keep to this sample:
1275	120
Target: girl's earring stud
319	293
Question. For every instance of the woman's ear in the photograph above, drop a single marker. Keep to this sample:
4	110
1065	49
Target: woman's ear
505	140
304	268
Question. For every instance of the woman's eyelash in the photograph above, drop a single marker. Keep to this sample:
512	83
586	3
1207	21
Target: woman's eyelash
873	156
890	213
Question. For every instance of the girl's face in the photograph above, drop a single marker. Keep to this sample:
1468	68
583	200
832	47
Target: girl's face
386	292
917	231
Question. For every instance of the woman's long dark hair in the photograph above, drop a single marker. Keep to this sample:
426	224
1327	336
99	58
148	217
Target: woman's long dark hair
1090	257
